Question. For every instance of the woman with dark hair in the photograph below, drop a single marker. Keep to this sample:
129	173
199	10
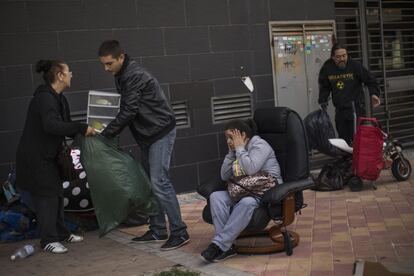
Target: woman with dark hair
47	123
248	155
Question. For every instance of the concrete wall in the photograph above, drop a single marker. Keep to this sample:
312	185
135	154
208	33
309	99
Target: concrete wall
194	47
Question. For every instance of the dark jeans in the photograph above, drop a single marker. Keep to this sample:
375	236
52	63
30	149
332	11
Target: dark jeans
49	217
156	162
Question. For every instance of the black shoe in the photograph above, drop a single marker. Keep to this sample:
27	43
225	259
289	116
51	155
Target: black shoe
211	253
175	241
150	236
225	255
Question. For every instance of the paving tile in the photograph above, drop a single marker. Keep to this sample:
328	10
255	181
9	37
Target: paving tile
278	264
318	226
301	264
273	272
298	272
322	261
343	269
340	237
387	256
321	273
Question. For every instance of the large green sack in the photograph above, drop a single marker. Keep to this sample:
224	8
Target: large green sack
118	184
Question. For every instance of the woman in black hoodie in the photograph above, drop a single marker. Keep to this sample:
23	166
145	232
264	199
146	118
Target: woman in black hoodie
47	123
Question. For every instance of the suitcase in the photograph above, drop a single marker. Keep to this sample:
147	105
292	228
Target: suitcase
367	157
367	160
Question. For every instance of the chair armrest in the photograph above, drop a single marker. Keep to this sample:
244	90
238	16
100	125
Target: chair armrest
207	188
279	192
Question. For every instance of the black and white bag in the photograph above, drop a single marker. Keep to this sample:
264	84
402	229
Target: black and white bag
77	196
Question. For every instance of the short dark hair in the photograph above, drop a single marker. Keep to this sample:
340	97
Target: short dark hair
110	47
337	46
49	68
247	126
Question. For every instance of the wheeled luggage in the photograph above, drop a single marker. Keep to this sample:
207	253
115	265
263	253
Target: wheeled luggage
367	160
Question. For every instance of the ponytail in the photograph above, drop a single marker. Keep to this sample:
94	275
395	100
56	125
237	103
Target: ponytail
49	69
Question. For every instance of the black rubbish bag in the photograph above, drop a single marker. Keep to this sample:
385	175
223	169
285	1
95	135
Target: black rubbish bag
334	175
329	179
119	185
319	130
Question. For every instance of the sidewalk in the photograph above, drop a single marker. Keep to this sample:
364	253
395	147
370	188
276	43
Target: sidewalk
92	257
335	229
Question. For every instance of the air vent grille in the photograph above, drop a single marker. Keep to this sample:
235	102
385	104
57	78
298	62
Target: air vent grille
227	108
181	114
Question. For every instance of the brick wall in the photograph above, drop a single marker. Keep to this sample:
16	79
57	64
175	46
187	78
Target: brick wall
194	47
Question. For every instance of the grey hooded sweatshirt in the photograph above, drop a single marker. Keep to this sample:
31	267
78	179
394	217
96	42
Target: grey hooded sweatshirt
257	156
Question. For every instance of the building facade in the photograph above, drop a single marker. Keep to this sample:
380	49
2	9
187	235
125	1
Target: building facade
197	49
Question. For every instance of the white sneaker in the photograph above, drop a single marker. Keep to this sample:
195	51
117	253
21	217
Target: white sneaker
74	238
55	247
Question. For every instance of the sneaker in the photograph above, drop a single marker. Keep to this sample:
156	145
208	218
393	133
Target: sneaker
175	241
74	238
225	255
150	236
211	253
55	247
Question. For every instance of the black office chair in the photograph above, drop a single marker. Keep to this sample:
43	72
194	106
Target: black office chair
283	129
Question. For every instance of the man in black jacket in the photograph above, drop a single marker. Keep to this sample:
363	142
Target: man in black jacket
145	109
344	78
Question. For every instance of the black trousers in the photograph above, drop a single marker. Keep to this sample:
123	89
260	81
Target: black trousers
345	126
49	217
344	119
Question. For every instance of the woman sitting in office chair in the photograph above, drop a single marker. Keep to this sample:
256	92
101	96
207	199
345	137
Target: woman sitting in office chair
248	154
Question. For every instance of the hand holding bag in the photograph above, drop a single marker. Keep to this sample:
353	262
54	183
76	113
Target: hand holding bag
250	185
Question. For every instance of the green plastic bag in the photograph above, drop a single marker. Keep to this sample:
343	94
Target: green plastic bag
118	184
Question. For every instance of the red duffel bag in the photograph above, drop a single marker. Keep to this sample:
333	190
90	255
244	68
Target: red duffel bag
367	161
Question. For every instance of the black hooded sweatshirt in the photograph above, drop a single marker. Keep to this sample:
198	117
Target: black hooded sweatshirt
345	84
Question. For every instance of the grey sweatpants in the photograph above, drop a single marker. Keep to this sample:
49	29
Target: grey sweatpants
230	218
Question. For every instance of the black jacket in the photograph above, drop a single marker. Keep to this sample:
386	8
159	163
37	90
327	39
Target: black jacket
47	124
144	107
345	84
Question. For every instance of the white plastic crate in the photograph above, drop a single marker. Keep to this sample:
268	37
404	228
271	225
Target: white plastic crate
102	108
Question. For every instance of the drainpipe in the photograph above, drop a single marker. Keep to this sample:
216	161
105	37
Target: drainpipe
364	44
384	74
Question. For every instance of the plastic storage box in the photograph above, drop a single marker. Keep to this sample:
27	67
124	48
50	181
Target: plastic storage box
102	108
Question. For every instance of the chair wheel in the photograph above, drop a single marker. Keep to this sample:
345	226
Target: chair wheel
288	243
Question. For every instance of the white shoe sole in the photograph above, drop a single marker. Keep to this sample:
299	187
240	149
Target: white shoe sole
74	239
205	260
227	257
175	247
55	249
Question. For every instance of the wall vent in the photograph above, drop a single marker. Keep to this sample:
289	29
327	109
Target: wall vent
226	108
181	114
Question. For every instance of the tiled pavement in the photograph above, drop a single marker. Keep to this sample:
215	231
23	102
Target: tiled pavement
94	256
335	229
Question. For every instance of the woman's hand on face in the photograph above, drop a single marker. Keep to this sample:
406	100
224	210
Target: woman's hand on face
90	131
239	139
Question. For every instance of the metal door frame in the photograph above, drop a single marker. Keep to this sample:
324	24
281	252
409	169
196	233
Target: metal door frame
372	30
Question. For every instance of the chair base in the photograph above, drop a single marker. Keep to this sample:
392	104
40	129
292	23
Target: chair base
277	241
